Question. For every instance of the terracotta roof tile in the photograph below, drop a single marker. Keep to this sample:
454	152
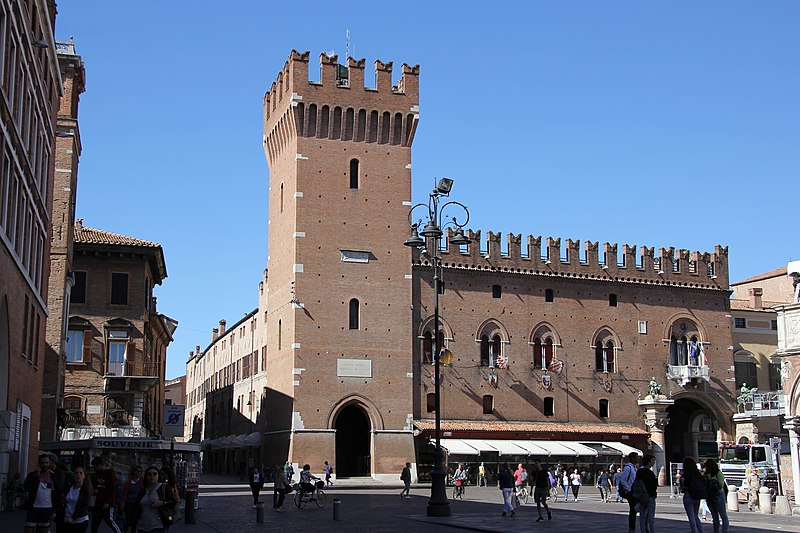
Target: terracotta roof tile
545	427
86	235
777	273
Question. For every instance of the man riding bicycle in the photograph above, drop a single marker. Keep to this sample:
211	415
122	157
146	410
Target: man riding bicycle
306	486
460	478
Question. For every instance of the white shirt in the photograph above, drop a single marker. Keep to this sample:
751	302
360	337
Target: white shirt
44	496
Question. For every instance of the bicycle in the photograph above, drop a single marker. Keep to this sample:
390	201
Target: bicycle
317	495
552	494
458	489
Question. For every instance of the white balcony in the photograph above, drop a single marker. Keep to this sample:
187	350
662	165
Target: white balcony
683	374
88	432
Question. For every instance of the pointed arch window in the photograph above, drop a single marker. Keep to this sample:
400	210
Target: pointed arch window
542	356
427	345
491	350
604	355
354	313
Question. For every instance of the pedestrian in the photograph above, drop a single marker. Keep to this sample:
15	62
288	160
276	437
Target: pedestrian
565	484
147	516
328	473
717	496
482	475
520	477
167	479
647	510
603	486
753	486
281	488
575	481
256	484
44	499
626	484
288	469
694	490
506	484
617	478
541	488
130	492
104	482
405	477
74	515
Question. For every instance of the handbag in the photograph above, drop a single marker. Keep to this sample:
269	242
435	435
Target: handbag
169	516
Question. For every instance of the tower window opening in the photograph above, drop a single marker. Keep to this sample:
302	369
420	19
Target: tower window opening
497	291
354	168
548	295
603	408
354	314
488	404
549	406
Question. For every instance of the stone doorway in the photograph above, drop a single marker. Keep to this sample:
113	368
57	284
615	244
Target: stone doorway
691	431
353	442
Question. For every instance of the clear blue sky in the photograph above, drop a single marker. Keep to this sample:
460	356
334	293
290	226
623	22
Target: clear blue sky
647	123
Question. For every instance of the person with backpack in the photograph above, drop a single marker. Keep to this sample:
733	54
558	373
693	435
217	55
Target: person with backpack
694	489
644	491
717	496
626	481
603	485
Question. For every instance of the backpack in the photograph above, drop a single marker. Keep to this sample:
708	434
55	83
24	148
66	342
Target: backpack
696	488
523	476
639	491
712	488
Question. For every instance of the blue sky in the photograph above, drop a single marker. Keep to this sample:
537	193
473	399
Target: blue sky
647	123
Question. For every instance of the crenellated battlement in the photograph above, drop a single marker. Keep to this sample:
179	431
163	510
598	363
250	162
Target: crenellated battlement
340	106
706	270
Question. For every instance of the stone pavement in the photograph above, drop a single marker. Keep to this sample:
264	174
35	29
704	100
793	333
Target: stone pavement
226	505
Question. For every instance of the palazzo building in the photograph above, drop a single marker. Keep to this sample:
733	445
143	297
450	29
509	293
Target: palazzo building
589	349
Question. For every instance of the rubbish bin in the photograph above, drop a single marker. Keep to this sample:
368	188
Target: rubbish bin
190	497
259	512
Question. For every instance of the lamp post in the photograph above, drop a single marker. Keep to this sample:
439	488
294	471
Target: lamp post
438	505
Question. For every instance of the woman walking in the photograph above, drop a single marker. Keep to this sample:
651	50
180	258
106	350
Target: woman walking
565	484
256	484
506	483
74	517
130	493
717	496
575	481
155	496
280	488
694	490
647	510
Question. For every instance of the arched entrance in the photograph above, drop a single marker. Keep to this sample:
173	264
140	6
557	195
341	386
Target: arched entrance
691	431
353	442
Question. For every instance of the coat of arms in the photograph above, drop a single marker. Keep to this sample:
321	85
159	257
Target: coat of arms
493	379
608	384
547	381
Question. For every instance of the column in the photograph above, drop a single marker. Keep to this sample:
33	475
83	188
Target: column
793	426
656	419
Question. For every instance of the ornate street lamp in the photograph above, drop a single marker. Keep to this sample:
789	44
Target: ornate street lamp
438	505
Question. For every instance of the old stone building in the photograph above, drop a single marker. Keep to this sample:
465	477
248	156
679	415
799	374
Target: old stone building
67	154
549	343
116	338
30	86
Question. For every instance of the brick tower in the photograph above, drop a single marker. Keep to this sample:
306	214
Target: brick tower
339	286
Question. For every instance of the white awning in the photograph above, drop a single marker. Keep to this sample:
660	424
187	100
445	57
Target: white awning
503	447
457	447
624	448
562	447
532	449
253	439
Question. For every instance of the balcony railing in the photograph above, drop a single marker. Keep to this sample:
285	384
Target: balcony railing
133	369
764	404
118	417
73	418
88	432
683	374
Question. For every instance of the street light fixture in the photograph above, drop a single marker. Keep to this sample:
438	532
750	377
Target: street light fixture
438	505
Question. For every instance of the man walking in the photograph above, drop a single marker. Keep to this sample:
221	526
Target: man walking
44	497
541	488
625	486
104	481
328	473
405	477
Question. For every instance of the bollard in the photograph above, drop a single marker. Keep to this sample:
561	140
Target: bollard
260	513
733	499
782	506
765	500
188	511
337	503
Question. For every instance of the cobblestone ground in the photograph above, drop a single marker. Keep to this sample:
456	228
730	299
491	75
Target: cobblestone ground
227	507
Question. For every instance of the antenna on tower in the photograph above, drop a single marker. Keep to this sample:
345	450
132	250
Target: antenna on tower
346	43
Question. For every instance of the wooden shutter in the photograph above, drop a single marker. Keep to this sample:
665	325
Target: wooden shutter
86	353
131	364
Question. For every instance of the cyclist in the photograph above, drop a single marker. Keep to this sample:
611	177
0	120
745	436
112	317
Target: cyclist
520	477
306	486
460	478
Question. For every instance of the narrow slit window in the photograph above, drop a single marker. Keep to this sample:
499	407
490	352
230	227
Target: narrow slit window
354	168
354	314
549	406
488	404
603	408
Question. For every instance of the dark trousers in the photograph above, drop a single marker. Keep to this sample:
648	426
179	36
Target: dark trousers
631	511
255	488
75	528
277	498
99	515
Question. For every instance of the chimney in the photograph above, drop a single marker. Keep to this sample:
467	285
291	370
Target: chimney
755	298
79	224
222	324
197	349
214	334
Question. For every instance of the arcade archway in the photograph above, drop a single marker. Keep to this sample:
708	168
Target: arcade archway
353	442
691	431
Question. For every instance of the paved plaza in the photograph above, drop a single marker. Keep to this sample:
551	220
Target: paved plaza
226	505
